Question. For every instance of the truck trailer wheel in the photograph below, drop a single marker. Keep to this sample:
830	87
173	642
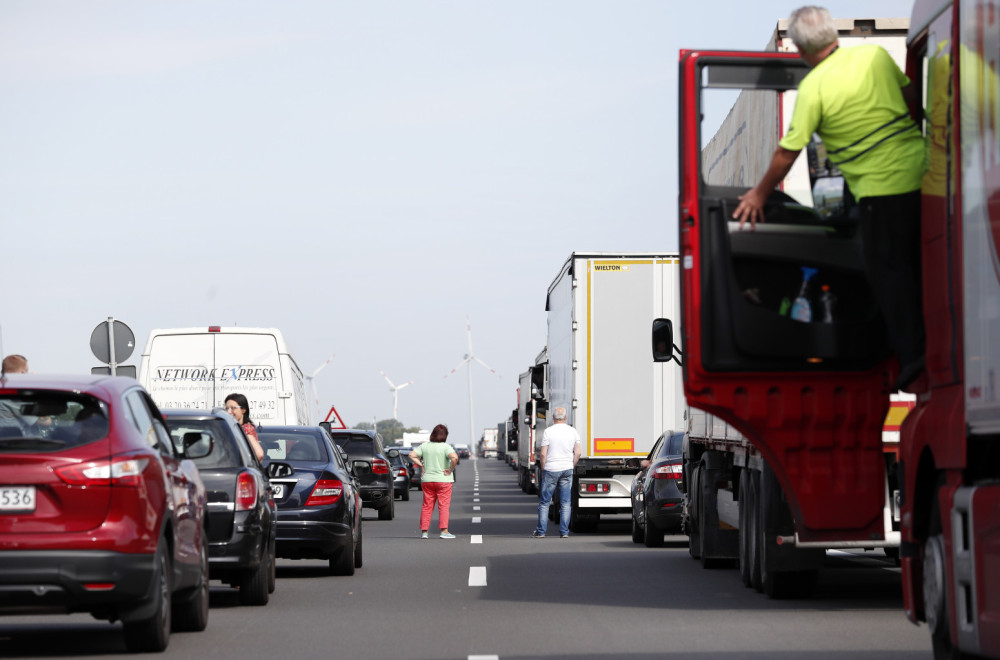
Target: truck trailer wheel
935	589
745	537
694	513
775	518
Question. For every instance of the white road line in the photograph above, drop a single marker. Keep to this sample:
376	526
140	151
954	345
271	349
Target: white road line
477	538
477	519
475	499
477	576
476	508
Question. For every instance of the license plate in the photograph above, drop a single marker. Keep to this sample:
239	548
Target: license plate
279	490
17	498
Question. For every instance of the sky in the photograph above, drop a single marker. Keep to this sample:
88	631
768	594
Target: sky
361	175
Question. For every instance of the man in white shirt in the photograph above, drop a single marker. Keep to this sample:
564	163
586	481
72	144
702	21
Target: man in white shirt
559	454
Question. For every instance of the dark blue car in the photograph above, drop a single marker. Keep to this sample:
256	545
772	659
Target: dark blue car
319	504
657	502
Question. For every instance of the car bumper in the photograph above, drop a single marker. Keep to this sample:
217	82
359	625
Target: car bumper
311	539
665	515
37	581
375	498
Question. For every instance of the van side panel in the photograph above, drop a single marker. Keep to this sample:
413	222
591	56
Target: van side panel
179	371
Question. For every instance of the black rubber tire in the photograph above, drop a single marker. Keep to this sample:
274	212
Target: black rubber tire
753	520
694	513
253	583
653	536
638	534
778	585
343	562
745	537
272	576
406	495
190	612
359	548
153	634
387	511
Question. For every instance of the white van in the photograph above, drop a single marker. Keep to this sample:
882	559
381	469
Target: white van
200	367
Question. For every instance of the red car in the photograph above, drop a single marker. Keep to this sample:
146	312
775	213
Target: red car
98	511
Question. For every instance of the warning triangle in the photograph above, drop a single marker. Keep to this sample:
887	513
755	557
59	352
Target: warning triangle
336	422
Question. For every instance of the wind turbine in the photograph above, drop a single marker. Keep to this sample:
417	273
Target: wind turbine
395	393
469	358
313	414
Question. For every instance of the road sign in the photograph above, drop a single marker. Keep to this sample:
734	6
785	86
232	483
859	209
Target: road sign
335	420
112	331
120	370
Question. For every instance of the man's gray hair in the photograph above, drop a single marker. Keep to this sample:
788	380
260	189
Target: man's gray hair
559	414
811	29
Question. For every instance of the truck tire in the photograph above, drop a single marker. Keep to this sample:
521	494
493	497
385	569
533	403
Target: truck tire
694	512
745	537
580	522
774	519
753	531
719	547
935	588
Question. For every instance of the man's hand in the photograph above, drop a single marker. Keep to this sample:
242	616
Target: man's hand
751	207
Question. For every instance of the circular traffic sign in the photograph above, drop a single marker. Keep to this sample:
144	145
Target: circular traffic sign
101	346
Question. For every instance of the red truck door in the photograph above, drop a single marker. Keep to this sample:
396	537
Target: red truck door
811	395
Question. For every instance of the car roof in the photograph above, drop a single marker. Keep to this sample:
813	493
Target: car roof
86	384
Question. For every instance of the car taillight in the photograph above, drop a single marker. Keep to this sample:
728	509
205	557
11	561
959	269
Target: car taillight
595	488
401	472
118	471
326	491
380	466
246	492
668	472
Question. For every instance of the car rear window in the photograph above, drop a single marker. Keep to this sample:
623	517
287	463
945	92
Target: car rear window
186	433
293	446
355	444
673	445
40	421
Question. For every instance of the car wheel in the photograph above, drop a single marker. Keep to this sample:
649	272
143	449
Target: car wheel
272	575
359	558
153	634
387	510
653	537
343	562
253	583
637	532
406	494
190	614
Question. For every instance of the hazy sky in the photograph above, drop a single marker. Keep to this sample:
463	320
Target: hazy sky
360	175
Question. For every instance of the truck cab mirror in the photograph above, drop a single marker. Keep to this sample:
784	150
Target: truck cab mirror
663	340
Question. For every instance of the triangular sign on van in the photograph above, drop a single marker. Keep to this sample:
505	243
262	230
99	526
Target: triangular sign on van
334	418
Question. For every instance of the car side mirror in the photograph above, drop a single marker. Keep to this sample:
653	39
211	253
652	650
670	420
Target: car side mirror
393	453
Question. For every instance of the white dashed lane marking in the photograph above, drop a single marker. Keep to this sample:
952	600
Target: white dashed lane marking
477	519
477	538
477	576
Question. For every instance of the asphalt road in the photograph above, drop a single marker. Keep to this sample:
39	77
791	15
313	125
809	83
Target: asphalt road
494	592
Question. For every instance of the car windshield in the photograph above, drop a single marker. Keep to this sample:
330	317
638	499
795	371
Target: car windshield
49	421
672	445
187	433
293	446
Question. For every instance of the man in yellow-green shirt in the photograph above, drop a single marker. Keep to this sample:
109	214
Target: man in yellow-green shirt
856	100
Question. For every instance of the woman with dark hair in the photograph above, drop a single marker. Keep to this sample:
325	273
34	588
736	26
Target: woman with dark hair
238	406
438	460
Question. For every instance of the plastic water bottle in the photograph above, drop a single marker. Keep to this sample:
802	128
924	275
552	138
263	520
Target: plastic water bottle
801	309
829	300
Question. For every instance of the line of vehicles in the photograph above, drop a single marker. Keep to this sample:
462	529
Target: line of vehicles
124	501
791	440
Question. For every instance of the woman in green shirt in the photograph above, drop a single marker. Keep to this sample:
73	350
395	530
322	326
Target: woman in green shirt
437	459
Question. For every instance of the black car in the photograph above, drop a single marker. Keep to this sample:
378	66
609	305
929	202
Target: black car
401	468
318	499
657	503
242	520
371	466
